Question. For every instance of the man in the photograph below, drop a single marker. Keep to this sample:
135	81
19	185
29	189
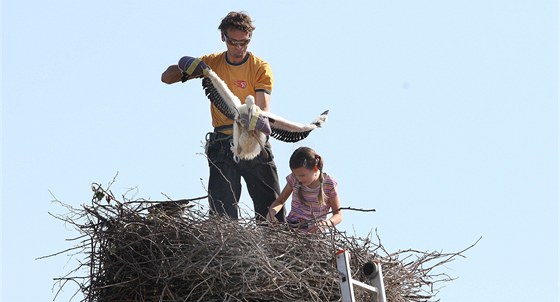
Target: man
245	74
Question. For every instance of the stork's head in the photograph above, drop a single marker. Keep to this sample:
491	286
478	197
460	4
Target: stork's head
252	119
192	68
250	101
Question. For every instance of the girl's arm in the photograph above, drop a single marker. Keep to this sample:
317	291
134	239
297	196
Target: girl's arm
277	205
336	217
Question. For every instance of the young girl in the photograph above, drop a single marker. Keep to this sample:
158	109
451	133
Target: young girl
314	194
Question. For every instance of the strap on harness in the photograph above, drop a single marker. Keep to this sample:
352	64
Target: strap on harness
217	135
222	128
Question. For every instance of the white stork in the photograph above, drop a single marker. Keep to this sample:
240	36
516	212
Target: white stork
251	125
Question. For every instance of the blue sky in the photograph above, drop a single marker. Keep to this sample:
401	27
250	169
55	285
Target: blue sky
443	117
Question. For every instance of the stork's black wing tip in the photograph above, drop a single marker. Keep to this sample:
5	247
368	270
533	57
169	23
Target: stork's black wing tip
287	136
216	99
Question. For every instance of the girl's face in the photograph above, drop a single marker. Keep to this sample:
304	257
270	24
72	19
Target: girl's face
306	176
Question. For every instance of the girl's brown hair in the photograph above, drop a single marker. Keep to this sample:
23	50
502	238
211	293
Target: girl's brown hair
307	158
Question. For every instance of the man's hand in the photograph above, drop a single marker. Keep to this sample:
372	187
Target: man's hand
192	68
255	121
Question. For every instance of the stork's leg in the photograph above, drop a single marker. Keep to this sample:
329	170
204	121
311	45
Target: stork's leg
258	136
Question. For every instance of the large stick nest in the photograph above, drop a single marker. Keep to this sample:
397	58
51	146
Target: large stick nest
137	250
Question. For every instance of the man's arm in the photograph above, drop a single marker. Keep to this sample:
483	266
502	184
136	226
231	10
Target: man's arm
262	99
171	75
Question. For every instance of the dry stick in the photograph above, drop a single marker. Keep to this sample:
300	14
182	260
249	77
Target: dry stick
178	200
215	166
356	209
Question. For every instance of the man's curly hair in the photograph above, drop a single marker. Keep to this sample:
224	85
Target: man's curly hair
237	20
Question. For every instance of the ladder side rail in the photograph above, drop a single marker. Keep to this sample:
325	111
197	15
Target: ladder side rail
345	276
378	283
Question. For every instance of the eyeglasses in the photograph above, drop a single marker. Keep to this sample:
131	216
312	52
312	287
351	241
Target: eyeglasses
234	42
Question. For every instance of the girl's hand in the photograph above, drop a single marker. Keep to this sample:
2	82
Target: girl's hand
322	226
271	216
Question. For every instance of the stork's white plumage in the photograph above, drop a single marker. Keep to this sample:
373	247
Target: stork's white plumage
248	140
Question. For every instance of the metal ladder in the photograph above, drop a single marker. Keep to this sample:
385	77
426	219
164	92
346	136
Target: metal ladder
371	270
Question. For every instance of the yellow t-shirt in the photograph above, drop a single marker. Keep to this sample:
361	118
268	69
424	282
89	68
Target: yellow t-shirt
242	79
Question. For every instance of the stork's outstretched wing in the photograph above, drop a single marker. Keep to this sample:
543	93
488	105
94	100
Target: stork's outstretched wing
219	94
227	103
292	132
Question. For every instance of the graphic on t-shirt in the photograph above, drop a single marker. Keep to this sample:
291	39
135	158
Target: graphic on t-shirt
240	83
